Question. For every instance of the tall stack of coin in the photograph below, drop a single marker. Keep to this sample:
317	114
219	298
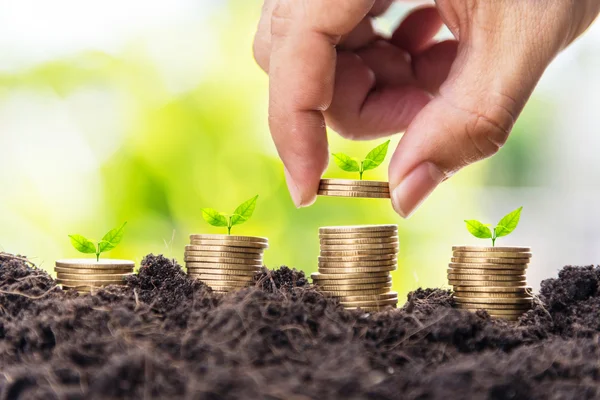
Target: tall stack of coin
352	188
225	262
85	274
491	278
355	264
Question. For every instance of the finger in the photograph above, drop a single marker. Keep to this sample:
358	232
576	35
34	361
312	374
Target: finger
432	66
262	40
361	36
417	30
360	111
380	7
301	72
391	65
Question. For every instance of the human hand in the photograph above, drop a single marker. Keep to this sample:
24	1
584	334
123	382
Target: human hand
457	100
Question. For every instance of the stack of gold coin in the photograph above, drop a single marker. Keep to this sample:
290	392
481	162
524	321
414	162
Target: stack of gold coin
491	278
224	262
350	188
86	274
355	264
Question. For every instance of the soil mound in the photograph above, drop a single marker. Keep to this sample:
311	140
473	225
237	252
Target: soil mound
165	335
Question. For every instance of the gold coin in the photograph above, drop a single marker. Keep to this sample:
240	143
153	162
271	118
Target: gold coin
225	249
349	264
486	271
371	297
491	295
487	260
376	189
491	254
390	247
232	243
520	267
487	283
223	283
223	260
370	303
483	300
362	286
494	306
344	293
465	277
88	263
82	277
359	253
361	194
358	235
351	281
352	242
214	277
78	282
244	267
378	257
356	270
317	275
350	182
501	249
217	271
249	256
225	289
91	271
370	309
494	289
358	229
231	238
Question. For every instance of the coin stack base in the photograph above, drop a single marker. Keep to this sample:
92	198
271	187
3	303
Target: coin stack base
224	262
350	188
355	265
85	275
492	279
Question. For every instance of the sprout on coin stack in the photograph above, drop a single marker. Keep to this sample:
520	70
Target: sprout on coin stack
85	274
492	278
225	262
357	188
355	264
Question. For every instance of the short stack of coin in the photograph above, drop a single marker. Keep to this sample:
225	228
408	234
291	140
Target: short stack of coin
350	188
355	265
224	262
86	274
491	278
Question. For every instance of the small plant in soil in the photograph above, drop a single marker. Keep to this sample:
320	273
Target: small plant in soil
371	161
108	242
240	215
505	226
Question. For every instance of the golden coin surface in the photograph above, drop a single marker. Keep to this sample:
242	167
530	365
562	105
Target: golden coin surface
491	295
351	182
231	243
249	256
359	229
494	306
82	271
345	293
75	283
363	286
349	264
220	272
378	189
390	247
502	249
225	277
372	297
225	289
352	242
488	266
377	257
244	267
357	270
495	289
229	283
358	235
361	194
466	277
82	277
487	283
485	271
357	281
88	263
224	249
371	309
229	238
318	275
491	254
223	260
358	253
487	260
483	300
370	303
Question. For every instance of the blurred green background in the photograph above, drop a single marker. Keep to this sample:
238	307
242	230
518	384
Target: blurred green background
147	113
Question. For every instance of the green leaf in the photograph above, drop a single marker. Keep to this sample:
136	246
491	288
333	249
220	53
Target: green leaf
244	211
112	239
508	223
376	156
346	163
478	229
214	217
82	244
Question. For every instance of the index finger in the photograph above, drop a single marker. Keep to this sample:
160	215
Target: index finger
301	80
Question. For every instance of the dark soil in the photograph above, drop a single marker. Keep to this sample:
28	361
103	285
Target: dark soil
167	336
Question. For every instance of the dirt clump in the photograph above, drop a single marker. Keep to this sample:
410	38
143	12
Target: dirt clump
165	335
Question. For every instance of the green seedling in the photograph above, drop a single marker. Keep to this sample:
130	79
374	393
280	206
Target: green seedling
239	216
108	242
372	161
506	225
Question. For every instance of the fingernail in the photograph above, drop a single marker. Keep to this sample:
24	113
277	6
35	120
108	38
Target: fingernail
294	189
415	188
